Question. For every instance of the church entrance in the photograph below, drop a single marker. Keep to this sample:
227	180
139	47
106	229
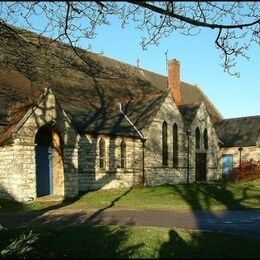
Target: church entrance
49	163
43	158
200	167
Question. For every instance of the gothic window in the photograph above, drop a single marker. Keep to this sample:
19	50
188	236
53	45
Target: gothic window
164	144
123	154
197	133
205	137
175	145
102	155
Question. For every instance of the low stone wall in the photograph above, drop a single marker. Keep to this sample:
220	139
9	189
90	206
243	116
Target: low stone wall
160	176
106	180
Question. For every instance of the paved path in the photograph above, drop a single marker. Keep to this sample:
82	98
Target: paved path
238	222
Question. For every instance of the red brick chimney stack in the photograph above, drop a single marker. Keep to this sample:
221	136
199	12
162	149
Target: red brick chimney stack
174	80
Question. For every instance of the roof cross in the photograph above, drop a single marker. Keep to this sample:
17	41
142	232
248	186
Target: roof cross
138	62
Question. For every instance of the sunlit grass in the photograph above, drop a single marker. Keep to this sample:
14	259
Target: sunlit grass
204	196
180	196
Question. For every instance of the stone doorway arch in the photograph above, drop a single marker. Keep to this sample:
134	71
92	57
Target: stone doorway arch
49	162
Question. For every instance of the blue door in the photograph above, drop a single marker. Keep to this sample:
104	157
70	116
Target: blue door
50	170
227	164
43	170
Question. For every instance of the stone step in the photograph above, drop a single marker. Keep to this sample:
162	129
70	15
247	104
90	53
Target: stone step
50	198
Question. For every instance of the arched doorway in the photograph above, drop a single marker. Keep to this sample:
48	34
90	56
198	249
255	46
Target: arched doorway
43	159
49	163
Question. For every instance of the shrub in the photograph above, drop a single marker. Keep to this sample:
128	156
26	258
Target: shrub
249	170
20	245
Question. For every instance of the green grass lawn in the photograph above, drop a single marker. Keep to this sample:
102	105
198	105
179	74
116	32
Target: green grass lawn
204	196
114	241
137	242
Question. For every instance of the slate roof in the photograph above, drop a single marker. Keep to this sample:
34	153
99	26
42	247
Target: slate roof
188	112
243	131
89	91
192	94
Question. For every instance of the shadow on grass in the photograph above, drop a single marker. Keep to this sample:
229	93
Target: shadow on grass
97	213
208	245
96	241
90	241
199	197
38	205
68	242
10	205
41	216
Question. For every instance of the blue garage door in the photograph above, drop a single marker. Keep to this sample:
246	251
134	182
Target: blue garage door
227	164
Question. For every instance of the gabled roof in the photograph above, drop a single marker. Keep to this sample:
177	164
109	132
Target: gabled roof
242	131
192	94
16	108
188	112
89	91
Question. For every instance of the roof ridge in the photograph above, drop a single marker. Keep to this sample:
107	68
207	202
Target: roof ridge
119	61
193	85
23	30
194	104
241	117
103	56
205	96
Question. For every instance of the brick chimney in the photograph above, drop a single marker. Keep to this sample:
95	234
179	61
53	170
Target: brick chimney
174	80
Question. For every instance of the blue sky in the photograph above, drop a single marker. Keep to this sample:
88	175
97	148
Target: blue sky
199	59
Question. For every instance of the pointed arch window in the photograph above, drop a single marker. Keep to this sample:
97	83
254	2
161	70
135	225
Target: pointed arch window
175	145
197	134
102	154
164	144
123	154
205	137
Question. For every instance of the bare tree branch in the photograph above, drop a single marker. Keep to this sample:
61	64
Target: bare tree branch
71	22
189	20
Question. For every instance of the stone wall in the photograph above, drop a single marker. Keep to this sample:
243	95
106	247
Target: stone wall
91	176
16	170
19	179
202	121
155	172
79	168
248	152
6	159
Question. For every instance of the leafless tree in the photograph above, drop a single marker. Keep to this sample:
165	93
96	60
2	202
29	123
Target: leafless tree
237	24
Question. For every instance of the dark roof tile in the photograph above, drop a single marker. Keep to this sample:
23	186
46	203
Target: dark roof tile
88	91
188	112
193	94
243	131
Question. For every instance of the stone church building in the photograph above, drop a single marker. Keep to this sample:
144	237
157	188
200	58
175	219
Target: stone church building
92	122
